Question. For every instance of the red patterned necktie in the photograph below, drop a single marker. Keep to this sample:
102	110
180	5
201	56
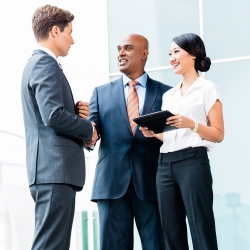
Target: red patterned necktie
132	105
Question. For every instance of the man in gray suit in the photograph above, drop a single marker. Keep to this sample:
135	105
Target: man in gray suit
55	134
124	185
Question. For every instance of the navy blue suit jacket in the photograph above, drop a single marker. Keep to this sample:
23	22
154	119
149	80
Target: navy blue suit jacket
54	133
120	153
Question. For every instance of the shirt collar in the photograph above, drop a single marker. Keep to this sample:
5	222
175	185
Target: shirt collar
142	80
199	82
48	51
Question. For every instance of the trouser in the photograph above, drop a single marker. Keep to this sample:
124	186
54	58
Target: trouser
184	188
117	219
54	213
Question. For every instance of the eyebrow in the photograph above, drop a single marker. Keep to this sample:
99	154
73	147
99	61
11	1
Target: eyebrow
175	48
126	45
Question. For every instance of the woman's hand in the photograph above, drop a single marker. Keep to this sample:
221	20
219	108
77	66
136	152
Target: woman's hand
212	132
149	133
146	132
180	121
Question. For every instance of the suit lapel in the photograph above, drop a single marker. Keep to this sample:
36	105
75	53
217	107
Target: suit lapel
72	97
151	93
118	93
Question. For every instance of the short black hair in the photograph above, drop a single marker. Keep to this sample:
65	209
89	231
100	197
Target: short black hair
194	45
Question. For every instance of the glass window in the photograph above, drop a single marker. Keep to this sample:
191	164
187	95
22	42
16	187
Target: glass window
226	28
229	160
159	21
113	78
16	205
165	76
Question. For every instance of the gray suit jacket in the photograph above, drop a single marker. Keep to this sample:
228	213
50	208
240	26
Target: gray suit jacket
54	133
122	155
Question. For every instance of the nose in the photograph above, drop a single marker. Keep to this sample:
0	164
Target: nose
172	59
71	40
121	52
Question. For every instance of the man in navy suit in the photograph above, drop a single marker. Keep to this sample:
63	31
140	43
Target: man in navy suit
124	183
54	133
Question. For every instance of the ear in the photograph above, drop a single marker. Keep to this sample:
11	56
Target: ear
144	54
54	31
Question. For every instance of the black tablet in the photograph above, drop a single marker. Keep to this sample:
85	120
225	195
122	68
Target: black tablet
155	121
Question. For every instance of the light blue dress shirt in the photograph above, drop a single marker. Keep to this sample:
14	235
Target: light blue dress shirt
140	88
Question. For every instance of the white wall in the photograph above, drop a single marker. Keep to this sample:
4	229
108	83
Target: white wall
85	67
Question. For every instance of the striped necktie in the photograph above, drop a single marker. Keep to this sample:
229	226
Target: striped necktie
132	105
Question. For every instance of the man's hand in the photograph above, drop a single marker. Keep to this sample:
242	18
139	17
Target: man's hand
94	138
83	109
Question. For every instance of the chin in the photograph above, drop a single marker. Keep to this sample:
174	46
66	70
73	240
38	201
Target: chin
123	69
177	72
63	55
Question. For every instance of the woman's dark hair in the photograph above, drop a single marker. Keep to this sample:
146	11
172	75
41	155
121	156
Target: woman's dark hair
194	45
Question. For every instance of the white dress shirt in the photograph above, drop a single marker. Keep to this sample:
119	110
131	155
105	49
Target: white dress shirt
140	88
194	104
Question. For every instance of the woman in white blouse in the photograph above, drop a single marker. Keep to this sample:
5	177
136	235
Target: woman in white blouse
184	181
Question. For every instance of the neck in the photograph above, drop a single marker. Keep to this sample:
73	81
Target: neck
47	44
134	76
189	78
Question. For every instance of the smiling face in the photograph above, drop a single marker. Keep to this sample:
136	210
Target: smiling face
132	55
181	60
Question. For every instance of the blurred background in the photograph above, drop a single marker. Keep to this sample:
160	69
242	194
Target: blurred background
97	28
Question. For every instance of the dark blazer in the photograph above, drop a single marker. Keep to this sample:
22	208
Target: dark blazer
120	153
54	133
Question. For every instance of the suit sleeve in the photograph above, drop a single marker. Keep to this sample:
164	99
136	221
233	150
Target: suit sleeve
46	83
94	110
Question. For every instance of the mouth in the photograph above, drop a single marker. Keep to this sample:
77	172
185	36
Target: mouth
122	62
175	65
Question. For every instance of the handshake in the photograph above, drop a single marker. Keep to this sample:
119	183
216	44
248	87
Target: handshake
83	111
